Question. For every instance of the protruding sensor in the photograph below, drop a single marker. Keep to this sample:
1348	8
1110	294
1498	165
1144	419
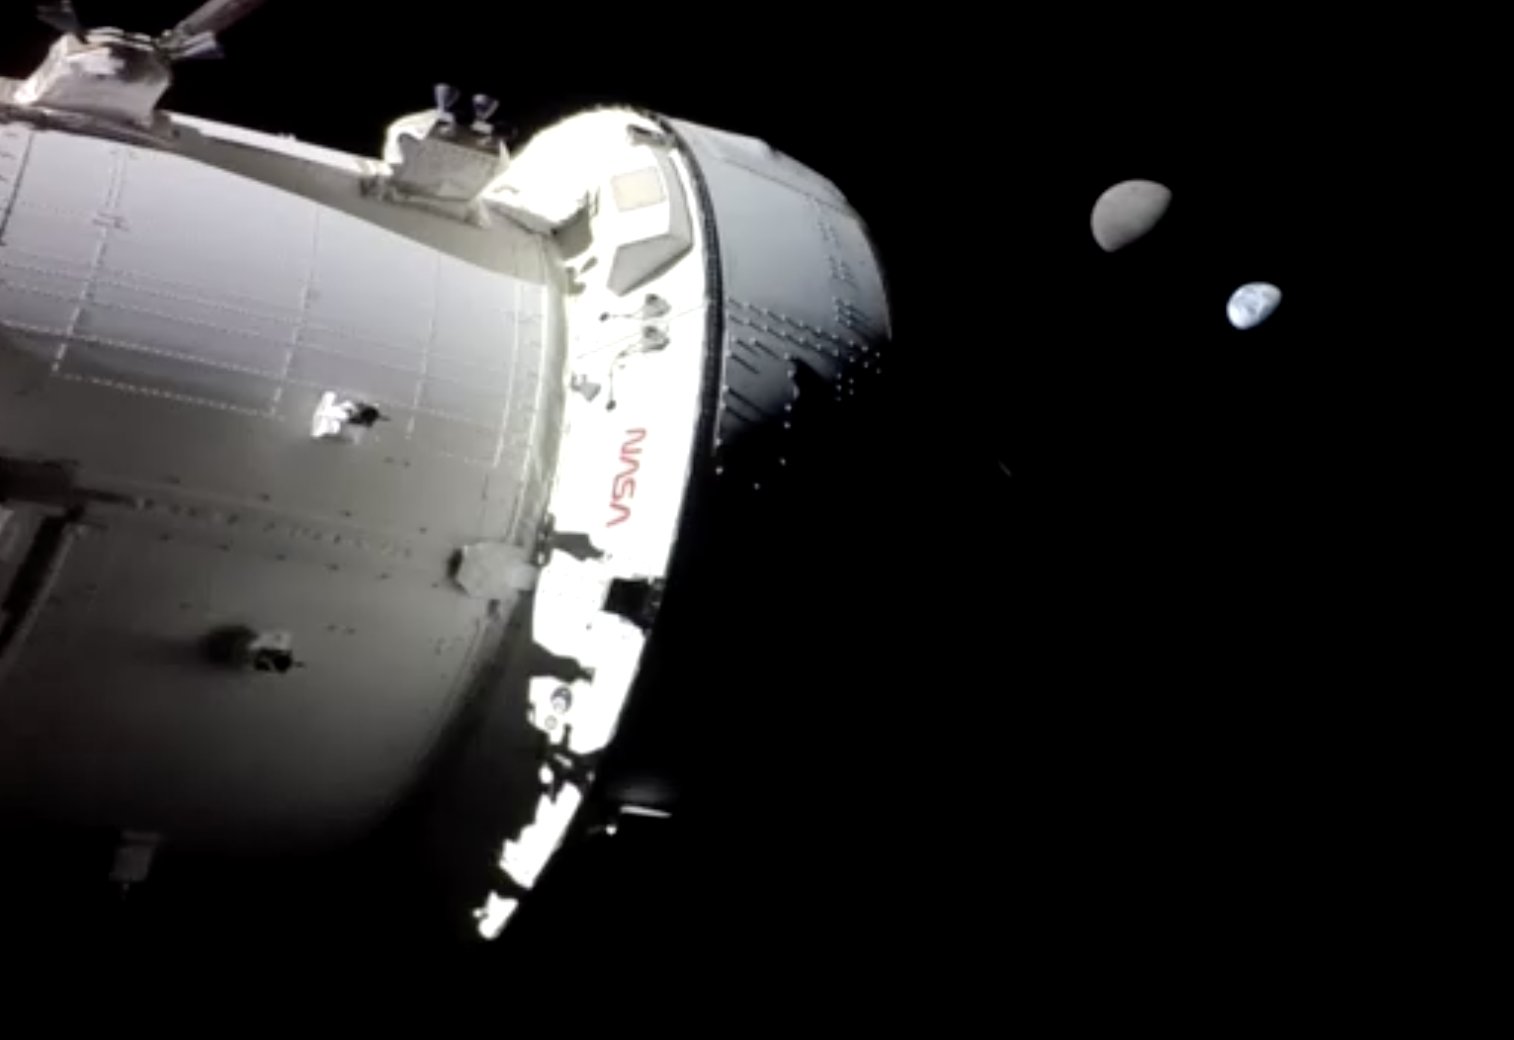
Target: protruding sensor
484	107
62	17
446	97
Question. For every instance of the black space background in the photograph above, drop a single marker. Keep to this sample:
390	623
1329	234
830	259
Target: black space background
1045	739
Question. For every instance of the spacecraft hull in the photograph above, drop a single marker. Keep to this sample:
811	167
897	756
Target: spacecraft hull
333	485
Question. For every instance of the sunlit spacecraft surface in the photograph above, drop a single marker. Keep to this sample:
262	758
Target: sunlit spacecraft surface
302	452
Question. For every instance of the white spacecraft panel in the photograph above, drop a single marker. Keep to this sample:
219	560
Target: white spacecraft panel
150	267
654	226
285	145
637	360
625	452
167	329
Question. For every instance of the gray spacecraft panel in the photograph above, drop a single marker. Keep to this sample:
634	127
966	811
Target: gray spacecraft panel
804	292
167	330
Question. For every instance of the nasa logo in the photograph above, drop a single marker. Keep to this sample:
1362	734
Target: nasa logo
624	487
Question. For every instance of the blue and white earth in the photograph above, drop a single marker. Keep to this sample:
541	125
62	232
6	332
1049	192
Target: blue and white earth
1252	304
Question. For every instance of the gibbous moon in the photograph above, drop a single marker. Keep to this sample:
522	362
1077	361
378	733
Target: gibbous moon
1252	304
1127	211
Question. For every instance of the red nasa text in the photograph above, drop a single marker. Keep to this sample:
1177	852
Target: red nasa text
624	487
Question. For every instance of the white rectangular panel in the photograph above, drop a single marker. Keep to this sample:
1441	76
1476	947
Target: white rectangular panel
268	322
464	440
213	345
373	282
130	370
70	174
40	238
461	401
351	376
35	311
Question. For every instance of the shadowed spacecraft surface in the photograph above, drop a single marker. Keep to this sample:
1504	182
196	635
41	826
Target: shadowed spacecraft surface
302	453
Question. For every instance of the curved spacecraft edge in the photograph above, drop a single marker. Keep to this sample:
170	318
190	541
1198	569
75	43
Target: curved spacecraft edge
300	452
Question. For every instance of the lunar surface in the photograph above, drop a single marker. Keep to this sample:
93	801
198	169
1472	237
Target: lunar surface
1252	304
1128	211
